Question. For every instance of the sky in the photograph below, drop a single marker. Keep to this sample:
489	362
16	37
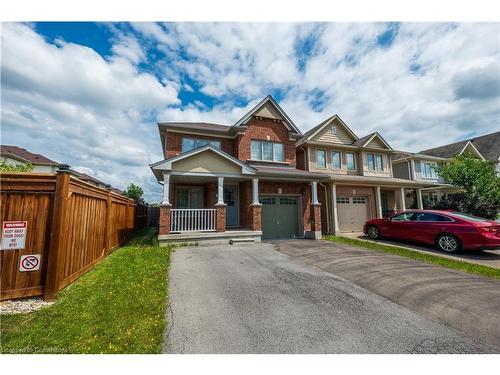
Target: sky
91	94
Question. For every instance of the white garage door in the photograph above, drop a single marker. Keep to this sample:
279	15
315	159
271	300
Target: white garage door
352	212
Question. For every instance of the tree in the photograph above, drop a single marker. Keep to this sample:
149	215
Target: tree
479	182
4	167
133	191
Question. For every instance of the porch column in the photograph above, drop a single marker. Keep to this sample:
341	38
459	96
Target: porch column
255	191
379	203
255	217
420	203
314	189
220	207
315	212
402	204
165	206
336	229
166	188
220	190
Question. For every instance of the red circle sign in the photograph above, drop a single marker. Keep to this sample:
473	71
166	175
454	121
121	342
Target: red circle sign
30	263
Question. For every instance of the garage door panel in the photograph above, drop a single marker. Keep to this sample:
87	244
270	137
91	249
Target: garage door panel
352	213
280	216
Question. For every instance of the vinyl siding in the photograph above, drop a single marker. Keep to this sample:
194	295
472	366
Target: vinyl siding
376	143
326	135
401	170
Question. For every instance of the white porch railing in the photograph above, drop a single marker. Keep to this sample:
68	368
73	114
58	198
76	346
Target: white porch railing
192	220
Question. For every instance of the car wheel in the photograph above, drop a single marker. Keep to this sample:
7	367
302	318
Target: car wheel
449	243
373	232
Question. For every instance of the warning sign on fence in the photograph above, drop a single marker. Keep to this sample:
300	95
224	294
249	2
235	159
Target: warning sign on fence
29	262
13	235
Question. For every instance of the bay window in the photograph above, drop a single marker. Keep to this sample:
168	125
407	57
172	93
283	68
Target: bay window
267	150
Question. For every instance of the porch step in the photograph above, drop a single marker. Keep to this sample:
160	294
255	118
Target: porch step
210	238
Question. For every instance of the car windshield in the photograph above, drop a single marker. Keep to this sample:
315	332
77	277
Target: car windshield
461	215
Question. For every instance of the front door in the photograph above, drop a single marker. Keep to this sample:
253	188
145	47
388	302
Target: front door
231	201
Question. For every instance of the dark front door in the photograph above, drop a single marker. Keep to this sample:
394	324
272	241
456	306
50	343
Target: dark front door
280	216
231	201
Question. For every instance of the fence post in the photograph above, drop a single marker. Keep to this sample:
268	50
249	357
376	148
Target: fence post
59	215
109	204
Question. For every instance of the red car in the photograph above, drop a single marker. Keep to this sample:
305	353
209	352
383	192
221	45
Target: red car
449	231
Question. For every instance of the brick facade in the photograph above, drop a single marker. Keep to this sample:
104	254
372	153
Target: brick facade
265	129
255	217
220	220
316	218
173	144
164	219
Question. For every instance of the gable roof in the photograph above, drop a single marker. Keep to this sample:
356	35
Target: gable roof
166	164
362	142
487	145
315	130
24	155
268	99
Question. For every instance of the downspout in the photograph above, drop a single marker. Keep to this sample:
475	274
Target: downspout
327	208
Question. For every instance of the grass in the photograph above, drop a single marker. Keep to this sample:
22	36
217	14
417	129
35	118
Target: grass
472	268
118	307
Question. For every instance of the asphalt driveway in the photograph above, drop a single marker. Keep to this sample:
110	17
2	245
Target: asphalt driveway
253	299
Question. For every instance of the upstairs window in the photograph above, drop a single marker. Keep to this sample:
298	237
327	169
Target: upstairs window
375	162
351	161
429	170
334	130
336	162
267	150
189	144
320	158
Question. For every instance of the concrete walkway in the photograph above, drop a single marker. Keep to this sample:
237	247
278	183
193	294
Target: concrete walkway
250	298
466	302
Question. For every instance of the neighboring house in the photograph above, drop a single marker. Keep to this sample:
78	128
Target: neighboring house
260	176
239	181
15	155
423	166
361	184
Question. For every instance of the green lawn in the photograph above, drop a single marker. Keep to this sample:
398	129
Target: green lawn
118	307
473	268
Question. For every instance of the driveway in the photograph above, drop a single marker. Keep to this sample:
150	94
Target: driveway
250	298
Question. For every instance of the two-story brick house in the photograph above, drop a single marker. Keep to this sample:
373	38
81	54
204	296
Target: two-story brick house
237	182
361	184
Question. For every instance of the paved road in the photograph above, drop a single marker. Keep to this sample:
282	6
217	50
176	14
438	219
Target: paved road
254	299
468	303
489	258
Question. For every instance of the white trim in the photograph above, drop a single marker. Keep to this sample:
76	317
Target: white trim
328	122
475	149
314	188
166	188
167	163
336	228
255	191
376	134
270	99
379	202
220	190
208	133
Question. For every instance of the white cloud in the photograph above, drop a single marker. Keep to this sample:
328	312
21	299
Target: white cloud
434	84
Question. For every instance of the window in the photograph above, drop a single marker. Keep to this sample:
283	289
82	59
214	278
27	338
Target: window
320	158
334	130
189	144
351	161
189	197
429	170
267	201
336	163
279	154
267	150
375	162
288	201
406	216
256	150
343	200
371	162
358	200
379	164
431	217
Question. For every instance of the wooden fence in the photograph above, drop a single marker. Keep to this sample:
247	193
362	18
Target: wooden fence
70	223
